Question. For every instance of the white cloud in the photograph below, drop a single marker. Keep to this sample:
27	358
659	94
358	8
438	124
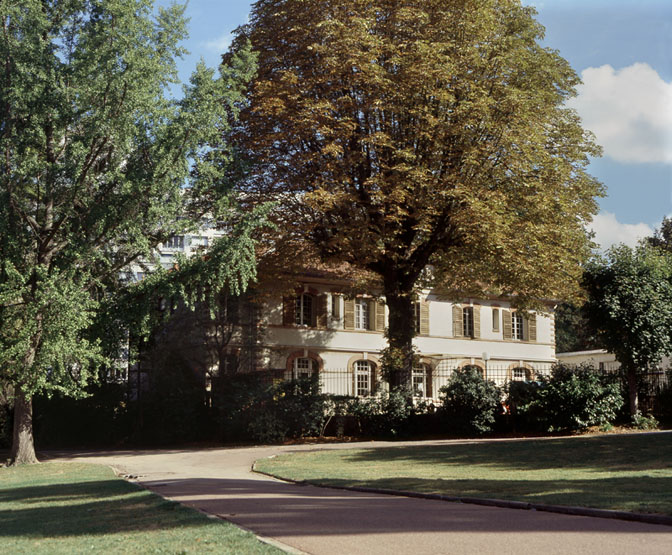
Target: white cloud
220	44
609	231
629	110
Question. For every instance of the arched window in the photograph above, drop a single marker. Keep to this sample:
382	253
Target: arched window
303	368
303	310
520	374
364	378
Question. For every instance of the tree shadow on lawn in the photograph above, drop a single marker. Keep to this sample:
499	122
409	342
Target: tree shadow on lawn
88	508
637	452
643	495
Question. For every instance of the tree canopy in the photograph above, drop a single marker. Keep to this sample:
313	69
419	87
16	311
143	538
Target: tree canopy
99	165
402	135
630	308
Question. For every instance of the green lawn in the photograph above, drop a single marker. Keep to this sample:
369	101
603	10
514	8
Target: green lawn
628	472
77	508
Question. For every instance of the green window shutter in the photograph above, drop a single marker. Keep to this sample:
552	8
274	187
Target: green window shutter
506	324
380	316
476	311
349	314
424	318
532	328
457	321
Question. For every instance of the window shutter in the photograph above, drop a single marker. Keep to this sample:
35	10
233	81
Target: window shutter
424	318
371	308
506	324
532	328
349	314
476	311
320	312
457	321
288	309
428	379
380	316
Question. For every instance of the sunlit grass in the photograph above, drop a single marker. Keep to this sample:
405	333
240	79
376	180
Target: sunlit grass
631	473
75	508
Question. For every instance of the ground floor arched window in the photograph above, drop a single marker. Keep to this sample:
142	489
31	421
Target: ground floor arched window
304	367
364	378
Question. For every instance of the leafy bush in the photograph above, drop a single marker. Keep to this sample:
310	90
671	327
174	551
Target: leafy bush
663	404
385	415
252	407
570	399
643	422
469	402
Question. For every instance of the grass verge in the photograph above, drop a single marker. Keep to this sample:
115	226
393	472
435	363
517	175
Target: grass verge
628	473
76	508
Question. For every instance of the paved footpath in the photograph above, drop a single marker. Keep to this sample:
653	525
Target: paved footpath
325	521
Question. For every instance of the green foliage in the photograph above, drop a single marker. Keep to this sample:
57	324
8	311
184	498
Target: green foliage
570	399
384	415
644	422
469	402
99	166
252	407
572	331
630	307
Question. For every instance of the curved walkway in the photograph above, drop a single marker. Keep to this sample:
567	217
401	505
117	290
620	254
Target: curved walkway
326	521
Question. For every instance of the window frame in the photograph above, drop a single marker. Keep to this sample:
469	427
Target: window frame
422	372
496	327
362	316
468	321
517	327
299	371
364	370
301	309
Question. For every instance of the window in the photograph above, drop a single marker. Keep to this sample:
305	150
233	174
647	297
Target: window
303	310
517	326
363	378
519	375
420	381
468	321
175	242
495	319
361	314
303	367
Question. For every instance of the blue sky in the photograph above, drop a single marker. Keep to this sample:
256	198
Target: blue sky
623	51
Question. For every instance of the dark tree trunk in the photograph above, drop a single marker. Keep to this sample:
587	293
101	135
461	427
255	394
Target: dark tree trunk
632	390
401	329
23	448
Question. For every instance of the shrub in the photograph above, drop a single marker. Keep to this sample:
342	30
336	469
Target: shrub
252	407
663	404
642	422
570	399
469	402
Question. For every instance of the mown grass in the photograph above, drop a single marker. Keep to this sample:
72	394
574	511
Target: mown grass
629	472
77	508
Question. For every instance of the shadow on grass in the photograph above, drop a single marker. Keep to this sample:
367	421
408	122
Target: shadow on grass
644	495
600	454
88	508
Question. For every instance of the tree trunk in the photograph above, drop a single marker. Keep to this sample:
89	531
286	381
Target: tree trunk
632	391
401	329
23	448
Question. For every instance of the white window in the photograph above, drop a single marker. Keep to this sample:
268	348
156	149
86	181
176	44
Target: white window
303	313
517	326
495	319
519	375
175	242
363	378
420	381
361	314
468	321
303	367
